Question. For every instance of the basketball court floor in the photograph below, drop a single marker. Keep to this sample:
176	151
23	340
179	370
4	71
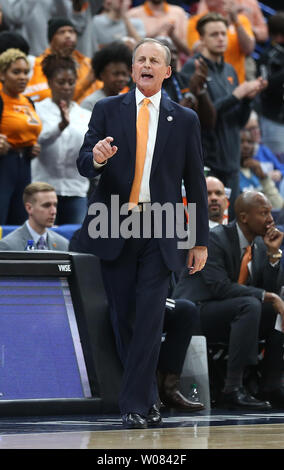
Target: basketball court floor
208	429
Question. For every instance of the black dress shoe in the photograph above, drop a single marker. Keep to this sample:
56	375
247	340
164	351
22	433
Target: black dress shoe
154	417
240	398
134	421
276	397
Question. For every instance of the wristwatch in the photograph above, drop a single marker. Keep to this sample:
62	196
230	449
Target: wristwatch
275	255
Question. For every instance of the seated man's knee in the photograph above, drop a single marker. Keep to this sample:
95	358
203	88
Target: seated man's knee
188	311
251	306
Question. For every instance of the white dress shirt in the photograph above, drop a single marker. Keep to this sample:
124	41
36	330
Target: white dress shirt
56	163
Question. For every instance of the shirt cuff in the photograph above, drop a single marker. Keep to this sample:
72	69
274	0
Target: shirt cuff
99	165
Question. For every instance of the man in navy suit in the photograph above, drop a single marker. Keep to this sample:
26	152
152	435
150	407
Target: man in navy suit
136	269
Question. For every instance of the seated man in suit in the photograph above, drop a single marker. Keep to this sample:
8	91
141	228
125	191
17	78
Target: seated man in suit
40	201
238	298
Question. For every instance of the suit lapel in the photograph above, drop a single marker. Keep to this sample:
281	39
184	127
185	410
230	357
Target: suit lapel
165	125
256	261
51	241
233	239
128	119
25	235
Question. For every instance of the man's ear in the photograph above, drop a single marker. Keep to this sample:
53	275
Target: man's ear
243	217
168	72
28	207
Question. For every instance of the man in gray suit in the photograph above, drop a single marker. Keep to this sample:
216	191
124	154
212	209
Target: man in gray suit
240	312
40	201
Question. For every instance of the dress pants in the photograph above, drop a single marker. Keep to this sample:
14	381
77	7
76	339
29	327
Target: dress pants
242	322
180	323
15	175
136	285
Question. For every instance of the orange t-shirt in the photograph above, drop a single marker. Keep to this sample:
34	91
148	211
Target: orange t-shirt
252	10
233	54
19	121
38	89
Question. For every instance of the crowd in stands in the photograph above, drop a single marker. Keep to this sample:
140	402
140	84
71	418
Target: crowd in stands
58	58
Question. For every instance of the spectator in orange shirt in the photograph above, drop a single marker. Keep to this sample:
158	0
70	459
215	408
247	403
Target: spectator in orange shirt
162	19
241	41
19	130
62	38
251	9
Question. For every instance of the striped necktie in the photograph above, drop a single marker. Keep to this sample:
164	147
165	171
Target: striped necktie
41	244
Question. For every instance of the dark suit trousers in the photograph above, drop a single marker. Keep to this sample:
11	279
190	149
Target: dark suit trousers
136	285
181	322
241	322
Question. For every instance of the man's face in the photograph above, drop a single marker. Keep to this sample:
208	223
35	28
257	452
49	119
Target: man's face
149	68
215	37
259	217
217	200
42	210
254	129
64	41
247	145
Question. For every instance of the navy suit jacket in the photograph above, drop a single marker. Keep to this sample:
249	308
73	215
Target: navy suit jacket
219	278
177	157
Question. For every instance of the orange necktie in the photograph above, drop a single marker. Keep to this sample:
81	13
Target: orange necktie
244	272
141	147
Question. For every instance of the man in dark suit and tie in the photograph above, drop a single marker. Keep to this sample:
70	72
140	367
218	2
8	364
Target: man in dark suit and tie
238	297
136	269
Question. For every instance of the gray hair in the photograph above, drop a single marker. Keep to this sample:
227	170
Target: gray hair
153	41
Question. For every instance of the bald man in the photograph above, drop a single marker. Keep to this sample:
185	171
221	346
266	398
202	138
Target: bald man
217	201
242	314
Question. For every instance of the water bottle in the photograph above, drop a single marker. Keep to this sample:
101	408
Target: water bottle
30	245
194	394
